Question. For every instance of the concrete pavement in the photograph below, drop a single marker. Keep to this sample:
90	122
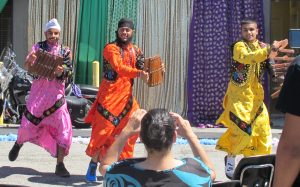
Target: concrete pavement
200	132
35	167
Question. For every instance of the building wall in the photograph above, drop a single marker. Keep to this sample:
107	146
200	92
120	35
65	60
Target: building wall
20	23
6	26
267	17
280	20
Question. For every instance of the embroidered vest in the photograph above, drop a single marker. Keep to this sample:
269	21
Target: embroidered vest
239	73
110	74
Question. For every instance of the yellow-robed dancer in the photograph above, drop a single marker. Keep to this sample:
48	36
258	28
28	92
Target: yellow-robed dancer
245	113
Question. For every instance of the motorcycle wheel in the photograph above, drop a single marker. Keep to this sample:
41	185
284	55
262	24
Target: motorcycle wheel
79	124
78	119
1	106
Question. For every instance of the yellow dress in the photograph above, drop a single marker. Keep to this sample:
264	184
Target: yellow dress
245	115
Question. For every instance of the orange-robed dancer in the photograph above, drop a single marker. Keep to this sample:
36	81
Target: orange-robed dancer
110	112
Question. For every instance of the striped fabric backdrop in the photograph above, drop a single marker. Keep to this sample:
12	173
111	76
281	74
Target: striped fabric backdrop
192	38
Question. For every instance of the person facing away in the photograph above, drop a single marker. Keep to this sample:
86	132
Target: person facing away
46	120
158	130
122	62
287	164
245	114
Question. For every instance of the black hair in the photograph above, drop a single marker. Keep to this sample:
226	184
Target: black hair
125	22
157	130
248	21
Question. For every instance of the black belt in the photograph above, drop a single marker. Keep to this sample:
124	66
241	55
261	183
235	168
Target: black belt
36	120
243	125
115	120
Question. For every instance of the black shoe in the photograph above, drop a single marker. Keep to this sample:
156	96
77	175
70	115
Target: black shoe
14	152
61	171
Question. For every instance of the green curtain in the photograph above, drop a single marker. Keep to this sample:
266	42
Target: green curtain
91	37
2	4
98	22
118	9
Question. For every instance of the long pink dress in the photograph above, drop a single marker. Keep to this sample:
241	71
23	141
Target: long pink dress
54	129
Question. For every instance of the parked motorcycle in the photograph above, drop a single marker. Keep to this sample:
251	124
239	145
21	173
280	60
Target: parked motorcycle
79	102
15	84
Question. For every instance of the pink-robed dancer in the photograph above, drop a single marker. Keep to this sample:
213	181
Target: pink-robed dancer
46	121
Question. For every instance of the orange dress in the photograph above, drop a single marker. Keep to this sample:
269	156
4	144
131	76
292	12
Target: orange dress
115	103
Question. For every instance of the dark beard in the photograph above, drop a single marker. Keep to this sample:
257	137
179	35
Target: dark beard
121	42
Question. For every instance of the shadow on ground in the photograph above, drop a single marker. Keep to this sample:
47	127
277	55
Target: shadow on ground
46	177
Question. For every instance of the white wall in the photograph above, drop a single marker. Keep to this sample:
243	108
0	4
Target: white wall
267	18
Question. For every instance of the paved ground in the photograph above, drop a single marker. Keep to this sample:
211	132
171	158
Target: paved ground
35	167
